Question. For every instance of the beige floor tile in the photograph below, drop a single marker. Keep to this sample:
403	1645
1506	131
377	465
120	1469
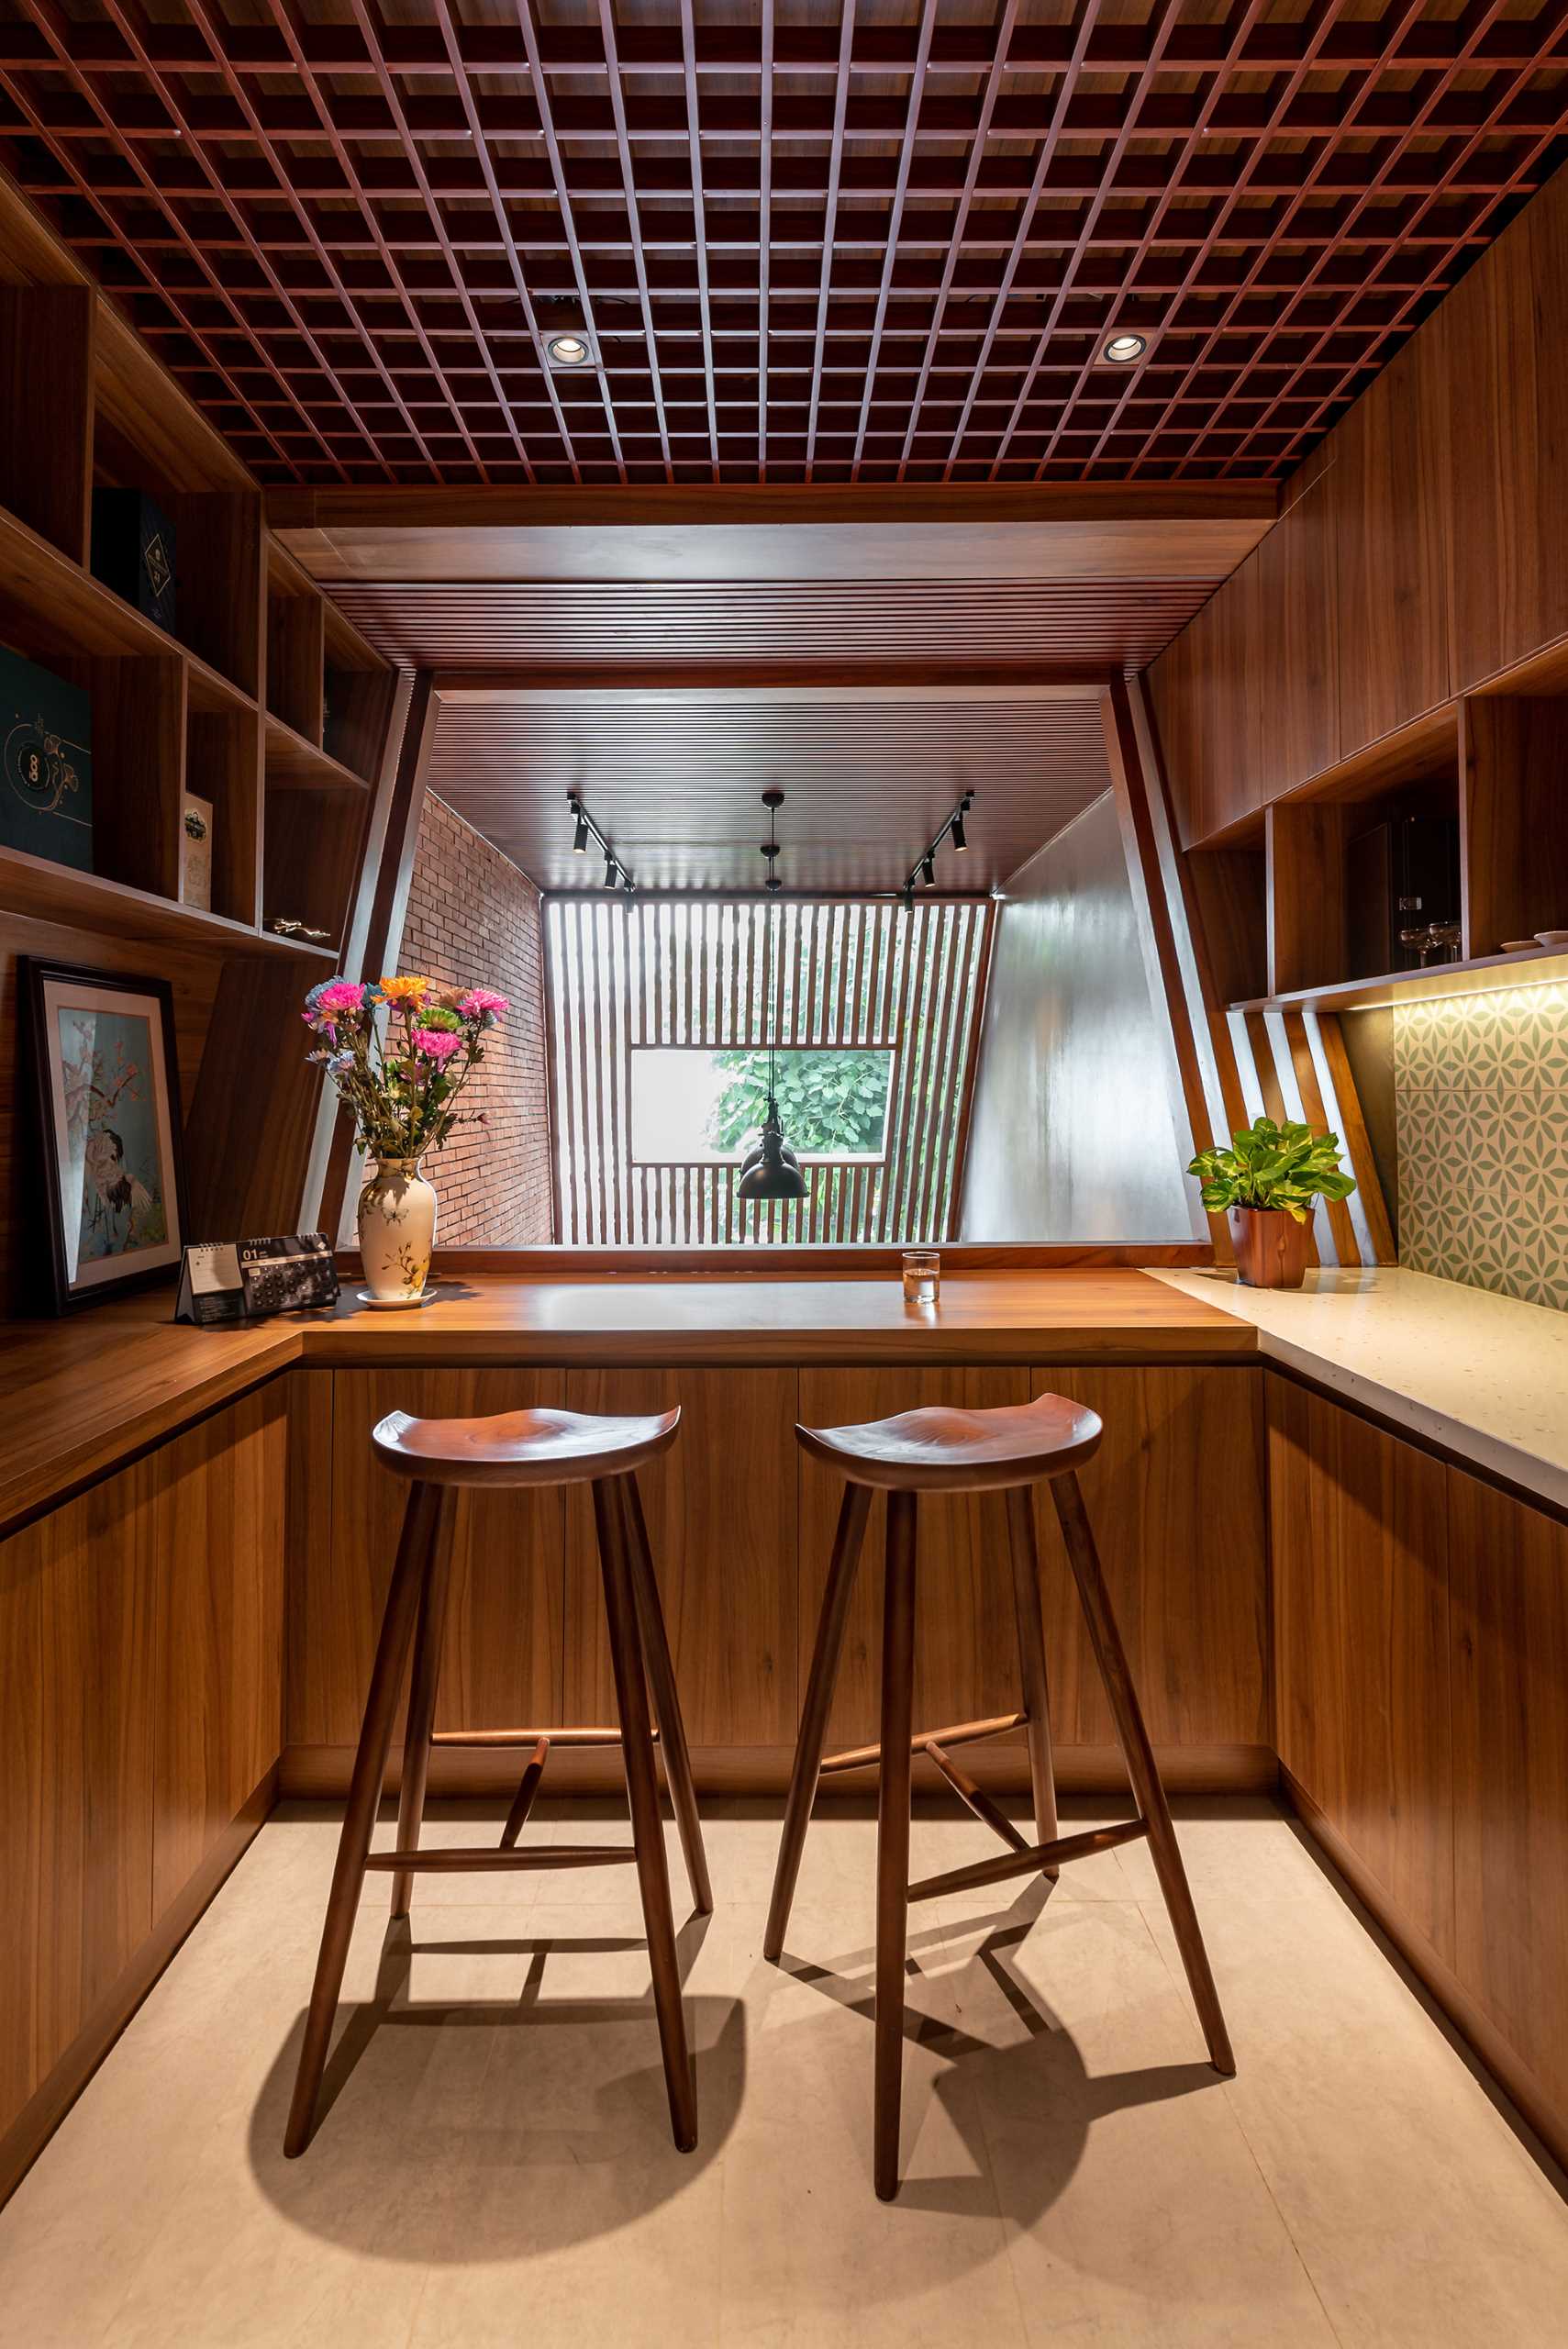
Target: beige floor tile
1135	2209
495	2167
1422	2218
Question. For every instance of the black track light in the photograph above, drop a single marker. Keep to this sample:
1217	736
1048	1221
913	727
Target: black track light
586	832
924	874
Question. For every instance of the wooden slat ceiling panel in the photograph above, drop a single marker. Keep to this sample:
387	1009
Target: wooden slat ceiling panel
1063	626
881	246
677	786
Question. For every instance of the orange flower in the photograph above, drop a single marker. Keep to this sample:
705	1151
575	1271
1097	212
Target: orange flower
413	993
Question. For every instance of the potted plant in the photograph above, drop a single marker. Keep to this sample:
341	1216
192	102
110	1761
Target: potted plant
399	1054
1264	1183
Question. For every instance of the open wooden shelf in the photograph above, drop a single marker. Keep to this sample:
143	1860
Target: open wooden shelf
1481	975
42	891
293	759
51	609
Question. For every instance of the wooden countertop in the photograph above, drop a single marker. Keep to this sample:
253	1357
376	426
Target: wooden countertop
85	1393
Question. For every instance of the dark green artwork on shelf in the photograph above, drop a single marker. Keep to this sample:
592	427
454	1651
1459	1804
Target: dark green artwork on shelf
134	551
46	764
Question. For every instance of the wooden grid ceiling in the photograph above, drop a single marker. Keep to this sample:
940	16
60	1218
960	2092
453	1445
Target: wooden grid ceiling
878	244
674	776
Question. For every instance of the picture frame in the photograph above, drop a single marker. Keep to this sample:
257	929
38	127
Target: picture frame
107	1094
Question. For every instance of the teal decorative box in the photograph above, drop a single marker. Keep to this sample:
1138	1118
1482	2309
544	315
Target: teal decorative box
46	764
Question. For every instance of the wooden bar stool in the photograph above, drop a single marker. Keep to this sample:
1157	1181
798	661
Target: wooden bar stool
517	1448
944	1451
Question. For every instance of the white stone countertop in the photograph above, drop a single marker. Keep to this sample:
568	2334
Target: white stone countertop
1484	1375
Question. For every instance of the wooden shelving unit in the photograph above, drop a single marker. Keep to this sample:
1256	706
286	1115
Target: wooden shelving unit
1494	760
264	700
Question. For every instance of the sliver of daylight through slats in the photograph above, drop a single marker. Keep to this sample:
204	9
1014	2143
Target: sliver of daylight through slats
839	974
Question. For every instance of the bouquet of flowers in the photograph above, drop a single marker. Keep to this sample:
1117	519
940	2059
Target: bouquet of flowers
400	1051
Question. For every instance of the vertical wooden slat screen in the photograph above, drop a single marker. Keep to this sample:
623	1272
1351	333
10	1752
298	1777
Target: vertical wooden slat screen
627	974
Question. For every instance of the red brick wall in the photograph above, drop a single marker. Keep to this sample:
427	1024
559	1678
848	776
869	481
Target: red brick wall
475	919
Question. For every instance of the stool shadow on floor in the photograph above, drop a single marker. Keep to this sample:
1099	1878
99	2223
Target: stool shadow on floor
1042	2083
473	2129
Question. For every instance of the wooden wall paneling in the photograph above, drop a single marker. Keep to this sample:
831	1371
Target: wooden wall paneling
1388	486
296	657
1508	1566
138	766
502	1667
1178	952
46	411
1508	480
1303	841
76	1767
1513	817
1340	1102
220	1498
1207	714
1334	1230
722	1517
966	1663
223	763
1176	1496
325	1614
1361	1594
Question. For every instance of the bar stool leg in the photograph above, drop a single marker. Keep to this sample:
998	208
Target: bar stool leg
1148	1791
666	1696
420	1522
1025	1555
642	1791
813	1736
429	1639
893	1834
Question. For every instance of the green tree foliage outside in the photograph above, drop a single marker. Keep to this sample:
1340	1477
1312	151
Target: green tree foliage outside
834	1102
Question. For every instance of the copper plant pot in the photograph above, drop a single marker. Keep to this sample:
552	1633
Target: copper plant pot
1271	1247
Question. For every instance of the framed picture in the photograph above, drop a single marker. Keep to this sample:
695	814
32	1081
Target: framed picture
107	1081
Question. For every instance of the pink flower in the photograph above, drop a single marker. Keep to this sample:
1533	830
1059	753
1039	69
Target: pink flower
480	1001
338	997
434	1045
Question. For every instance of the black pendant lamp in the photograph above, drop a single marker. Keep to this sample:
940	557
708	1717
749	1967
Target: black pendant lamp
771	1170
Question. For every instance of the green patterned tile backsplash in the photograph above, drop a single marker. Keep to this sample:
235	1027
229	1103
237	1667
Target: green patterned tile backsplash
1481	1112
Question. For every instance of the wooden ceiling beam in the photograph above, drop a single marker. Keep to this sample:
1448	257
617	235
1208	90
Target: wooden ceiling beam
849	684
767	531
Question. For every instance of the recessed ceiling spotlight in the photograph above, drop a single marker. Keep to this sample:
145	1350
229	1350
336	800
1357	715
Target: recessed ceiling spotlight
570	350
1123	348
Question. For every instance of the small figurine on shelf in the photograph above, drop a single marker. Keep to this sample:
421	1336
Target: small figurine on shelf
400	1053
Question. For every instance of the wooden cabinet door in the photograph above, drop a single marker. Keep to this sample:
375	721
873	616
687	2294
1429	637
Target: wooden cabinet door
966	1663
1509	1614
1362	1645
218	1506
1388	484
1175	1497
76	1763
500	1668
722	1513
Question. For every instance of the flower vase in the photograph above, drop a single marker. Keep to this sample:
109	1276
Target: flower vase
397	1231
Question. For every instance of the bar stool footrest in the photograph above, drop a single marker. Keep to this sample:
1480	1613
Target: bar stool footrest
1025	1863
866	1758
454	1859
